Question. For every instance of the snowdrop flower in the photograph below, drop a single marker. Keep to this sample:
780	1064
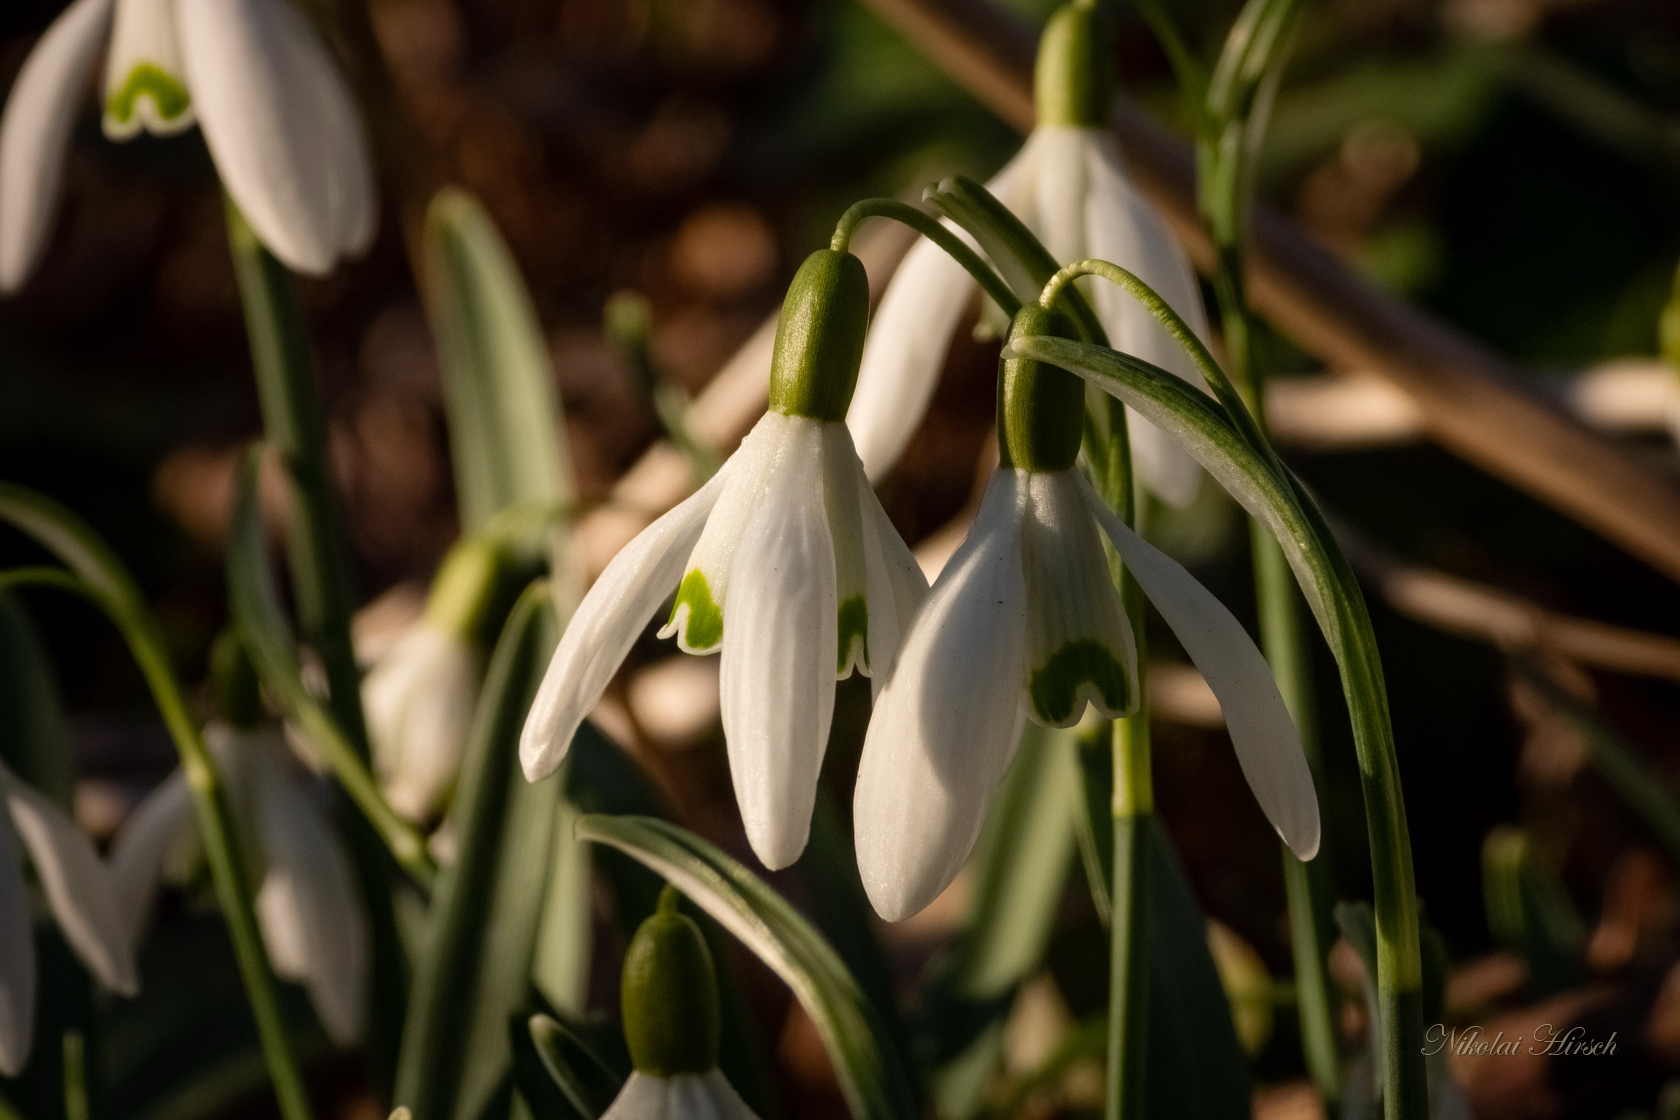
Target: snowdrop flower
307	904
1023	622
1068	186
784	561
81	896
277	115
420	696
671	1024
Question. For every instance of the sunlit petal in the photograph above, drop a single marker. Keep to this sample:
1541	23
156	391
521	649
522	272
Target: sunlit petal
606	625
77	884
897	587
1268	746
419	701
842	496
682	1096
948	720
35	134
776	681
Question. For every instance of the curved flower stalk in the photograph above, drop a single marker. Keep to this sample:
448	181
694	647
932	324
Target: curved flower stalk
420	696
307	906
81	895
1068	186
1024	622
277	115
785	562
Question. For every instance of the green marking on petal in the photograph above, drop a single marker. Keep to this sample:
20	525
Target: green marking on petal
146	80
1055	687
854	626
704	629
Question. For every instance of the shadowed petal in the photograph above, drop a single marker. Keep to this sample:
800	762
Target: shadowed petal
683	1096
897	587
1267	744
17	960
35	134
948	720
140	849
776	682
282	127
419	700
607	624
145	86
77	884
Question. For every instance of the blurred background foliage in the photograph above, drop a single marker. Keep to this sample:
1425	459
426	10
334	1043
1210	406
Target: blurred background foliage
1513	165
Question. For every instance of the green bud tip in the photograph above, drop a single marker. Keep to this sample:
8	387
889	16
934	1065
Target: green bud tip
233	681
1071	83
670	996
819	339
465	586
1041	407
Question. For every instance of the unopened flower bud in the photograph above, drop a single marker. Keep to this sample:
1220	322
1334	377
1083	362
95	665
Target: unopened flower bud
670	995
819	340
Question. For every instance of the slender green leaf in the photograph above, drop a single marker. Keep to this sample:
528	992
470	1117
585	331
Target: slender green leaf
504	425
268	639
1530	913
584	1082
874	1085
475	969
33	739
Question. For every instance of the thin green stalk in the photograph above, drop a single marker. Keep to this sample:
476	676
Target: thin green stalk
106	581
75	1076
295	425
1128	999
935	231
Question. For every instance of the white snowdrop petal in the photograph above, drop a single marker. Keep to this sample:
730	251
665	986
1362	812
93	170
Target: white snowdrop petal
897	587
644	1097
282	127
141	848
776	680
308	906
35	134
1058	213
419	701
17	960
1125	229
949	718
726	1103
698	613
145	84
843	501
683	1096
1268	746
1080	648
607	623
77	884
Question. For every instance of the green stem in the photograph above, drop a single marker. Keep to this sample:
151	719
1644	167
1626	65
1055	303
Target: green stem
1128	999
75	1076
295	425
108	583
935	231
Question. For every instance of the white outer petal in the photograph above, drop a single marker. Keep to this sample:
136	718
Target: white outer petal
419	701
1123	228
282	126
776	682
35	134
842	501
140	849
1058	212
143	32
1268	746
897	586
607	624
948	721
77	884
17	960
685	1096
308	905
750	469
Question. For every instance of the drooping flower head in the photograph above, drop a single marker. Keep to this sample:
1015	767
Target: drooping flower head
80	894
785	562
671	1024
1067	184
276	113
1025	623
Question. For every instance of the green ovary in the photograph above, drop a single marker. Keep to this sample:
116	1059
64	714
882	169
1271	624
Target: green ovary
146	80
704	628
854	626
1055	687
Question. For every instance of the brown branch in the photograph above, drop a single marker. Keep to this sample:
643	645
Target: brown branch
1471	401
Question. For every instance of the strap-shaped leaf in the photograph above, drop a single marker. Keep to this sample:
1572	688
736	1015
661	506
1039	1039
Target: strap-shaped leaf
498	382
268	639
474	972
874	1085
32	733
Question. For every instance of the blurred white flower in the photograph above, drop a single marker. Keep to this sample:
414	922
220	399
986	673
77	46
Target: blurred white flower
787	563
277	115
307	903
1068	186
419	702
79	891
680	1096
1024	621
